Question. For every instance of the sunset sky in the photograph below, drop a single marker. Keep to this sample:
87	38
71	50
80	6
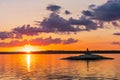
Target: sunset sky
59	25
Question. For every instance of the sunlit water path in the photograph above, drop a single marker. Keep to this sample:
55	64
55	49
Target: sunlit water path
50	67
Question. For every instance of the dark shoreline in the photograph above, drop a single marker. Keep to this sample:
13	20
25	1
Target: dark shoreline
66	52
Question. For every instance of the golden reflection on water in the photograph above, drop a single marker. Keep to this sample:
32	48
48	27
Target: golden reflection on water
28	61
50	67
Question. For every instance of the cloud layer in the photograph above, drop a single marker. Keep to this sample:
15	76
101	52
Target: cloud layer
38	42
4	35
117	34
53	8
87	23
116	43
69	41
54	23
67	12
26	30
109	11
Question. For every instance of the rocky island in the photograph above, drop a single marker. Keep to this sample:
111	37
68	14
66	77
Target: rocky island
87	56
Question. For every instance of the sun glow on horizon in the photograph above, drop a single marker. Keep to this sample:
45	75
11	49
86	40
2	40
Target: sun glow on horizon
28	48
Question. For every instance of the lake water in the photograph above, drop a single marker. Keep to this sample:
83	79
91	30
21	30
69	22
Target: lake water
50	67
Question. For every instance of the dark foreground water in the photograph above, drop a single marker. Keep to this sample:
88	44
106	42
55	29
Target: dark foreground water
50	67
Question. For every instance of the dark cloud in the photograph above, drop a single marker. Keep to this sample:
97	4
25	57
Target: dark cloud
5	35
115	23
116	43
55	23
109	11
45	42
18	32
54	8
69	41
50	40
89	24
117	34
67	12
26	30
38	42
15	43
87	13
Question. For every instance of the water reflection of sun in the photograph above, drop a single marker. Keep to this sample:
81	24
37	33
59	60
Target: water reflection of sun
28	59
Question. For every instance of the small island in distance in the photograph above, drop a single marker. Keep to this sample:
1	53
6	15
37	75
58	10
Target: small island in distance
65	52
86	56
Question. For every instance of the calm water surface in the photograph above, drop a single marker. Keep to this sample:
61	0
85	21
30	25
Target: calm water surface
50	67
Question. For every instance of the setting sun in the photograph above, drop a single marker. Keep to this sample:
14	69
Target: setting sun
28	48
